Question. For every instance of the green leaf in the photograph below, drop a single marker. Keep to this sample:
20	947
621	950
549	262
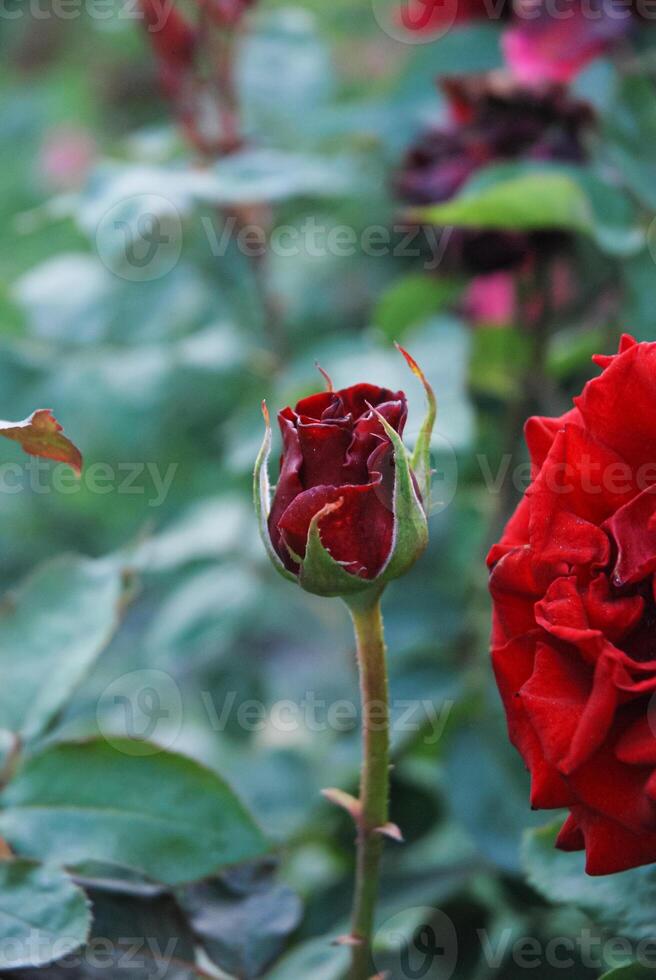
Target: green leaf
539	197
410	301
317	959
524	202
243	920
498	357
136	935
43	915
488	791
51	633
633	971
163	815
623	902
41	435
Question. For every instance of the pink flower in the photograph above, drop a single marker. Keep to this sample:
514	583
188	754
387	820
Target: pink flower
66	156
491	300
549	47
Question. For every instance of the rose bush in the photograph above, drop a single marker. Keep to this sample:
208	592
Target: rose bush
573	645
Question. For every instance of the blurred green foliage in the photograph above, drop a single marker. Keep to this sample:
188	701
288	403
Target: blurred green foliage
160	383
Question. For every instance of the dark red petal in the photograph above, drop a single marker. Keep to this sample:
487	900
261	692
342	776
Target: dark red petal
626	342
573	494
368	434
612	789
554	698
540	433
289	483
357	399
637	746
517	582
635	538
611	847
513	665
324	449
357	535
596	719
587	616
313	407
570	837
514	535
619	407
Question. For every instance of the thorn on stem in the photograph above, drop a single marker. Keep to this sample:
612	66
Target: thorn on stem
345	801
392	831
348	941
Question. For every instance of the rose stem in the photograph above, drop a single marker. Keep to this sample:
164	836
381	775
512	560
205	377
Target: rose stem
374	787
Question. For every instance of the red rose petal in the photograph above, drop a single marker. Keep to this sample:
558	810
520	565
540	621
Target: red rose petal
513	666
571	836
635	538
358	534
637	747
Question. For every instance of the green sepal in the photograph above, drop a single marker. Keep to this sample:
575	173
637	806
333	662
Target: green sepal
410	523
319	572
421	457
262	497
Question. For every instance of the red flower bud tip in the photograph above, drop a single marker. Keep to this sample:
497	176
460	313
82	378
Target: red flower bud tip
172	36
347	514
265	413
572	582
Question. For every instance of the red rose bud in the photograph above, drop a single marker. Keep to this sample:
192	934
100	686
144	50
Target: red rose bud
573	641
174	41
350	509
227	13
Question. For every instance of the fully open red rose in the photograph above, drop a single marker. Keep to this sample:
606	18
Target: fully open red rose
335	449
574	635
